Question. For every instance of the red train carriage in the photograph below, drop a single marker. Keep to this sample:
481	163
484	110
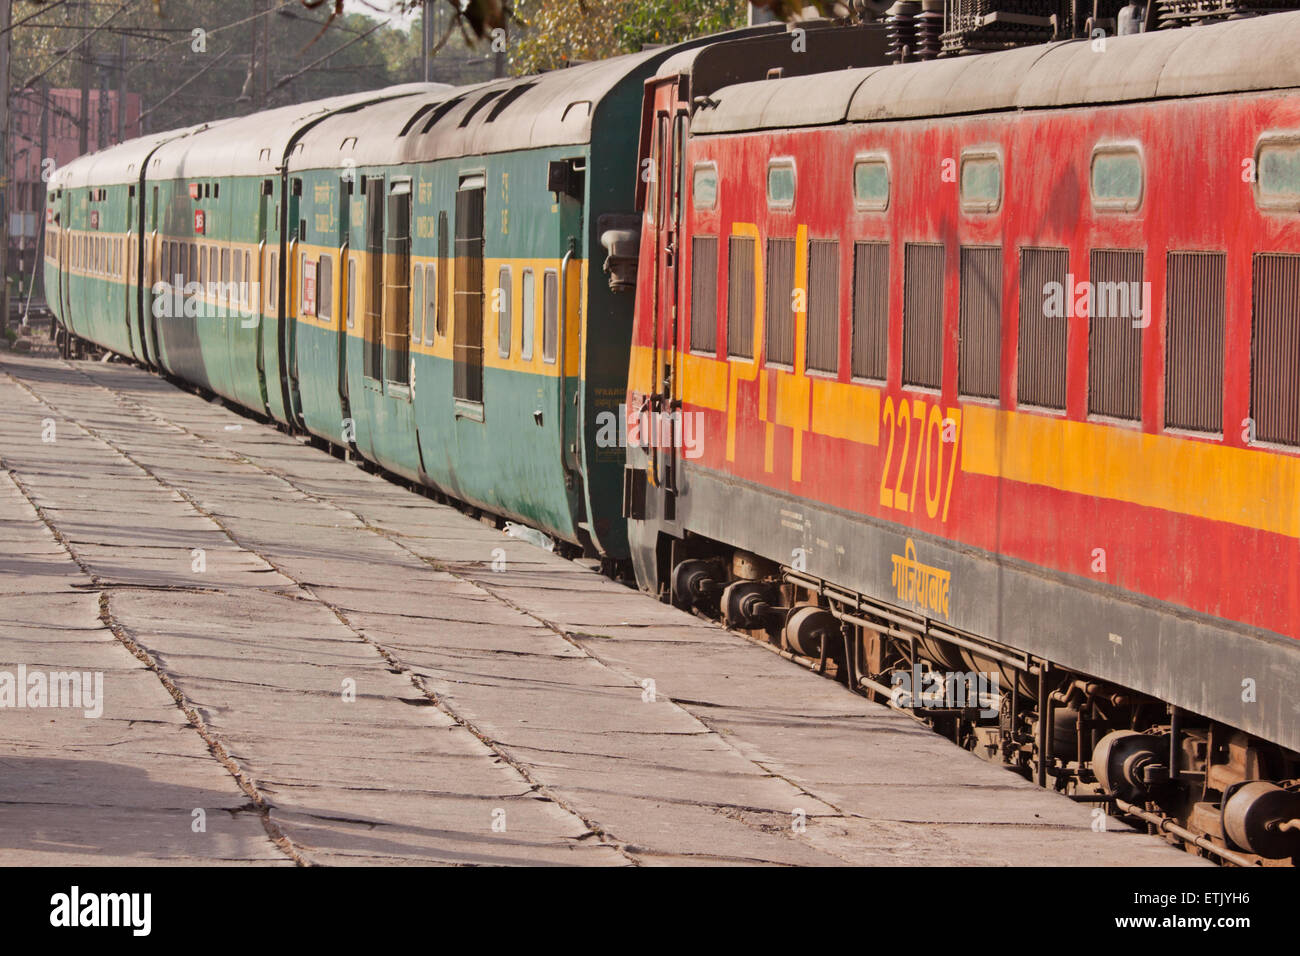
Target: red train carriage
993	364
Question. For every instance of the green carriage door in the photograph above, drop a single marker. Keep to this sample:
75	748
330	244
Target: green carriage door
397	290
467	351
373	356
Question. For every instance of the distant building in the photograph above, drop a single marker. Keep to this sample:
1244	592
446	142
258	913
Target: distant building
46	126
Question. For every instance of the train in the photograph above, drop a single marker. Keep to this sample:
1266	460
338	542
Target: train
978	373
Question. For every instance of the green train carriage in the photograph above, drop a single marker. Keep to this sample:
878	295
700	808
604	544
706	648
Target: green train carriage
214	207
446	311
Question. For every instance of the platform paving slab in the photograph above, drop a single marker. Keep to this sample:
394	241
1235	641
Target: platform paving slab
348	662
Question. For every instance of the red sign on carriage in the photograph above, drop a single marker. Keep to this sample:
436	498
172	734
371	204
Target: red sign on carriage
199	222
94	219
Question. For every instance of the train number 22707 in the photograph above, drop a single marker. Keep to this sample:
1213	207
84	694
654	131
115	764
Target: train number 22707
923	439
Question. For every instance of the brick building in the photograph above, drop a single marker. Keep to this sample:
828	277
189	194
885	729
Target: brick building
46	126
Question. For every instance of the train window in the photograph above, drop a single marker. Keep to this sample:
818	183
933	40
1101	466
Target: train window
1117	178
780	183
870	337
223	290
443	266
923	268
1194	317
704	186
1044	322
214	272
780	303
979	346
871	182
236	278
216	190
1275	344
194	262
1116	309
550	314
352	289
679	166
431	302
503	312
417	304
704	294
167	262
981	181
307	293
823	326
325	288
740	296
1277	172
654	189
527	314
248	279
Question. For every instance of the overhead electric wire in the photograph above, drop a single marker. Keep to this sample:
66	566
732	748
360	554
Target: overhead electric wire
42	8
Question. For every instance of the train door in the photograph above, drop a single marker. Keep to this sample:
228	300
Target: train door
664	197
151	273
65	260
126	273
397	290
345	291
293	273
246	350
372	359
467	312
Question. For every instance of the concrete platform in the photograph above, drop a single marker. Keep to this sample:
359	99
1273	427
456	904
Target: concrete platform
323	668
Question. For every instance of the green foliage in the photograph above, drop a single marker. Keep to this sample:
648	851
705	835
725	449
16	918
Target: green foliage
556	32
317	49
185	80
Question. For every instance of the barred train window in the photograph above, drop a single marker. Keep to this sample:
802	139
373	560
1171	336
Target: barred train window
431	302
550	314
527	314
352	289
780	303
1116	311
823	326
923	271
1117	178
979	348
704	294
1040	359
417	304
503	312
325	288
740	296
1194	319
870	309
1275	348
